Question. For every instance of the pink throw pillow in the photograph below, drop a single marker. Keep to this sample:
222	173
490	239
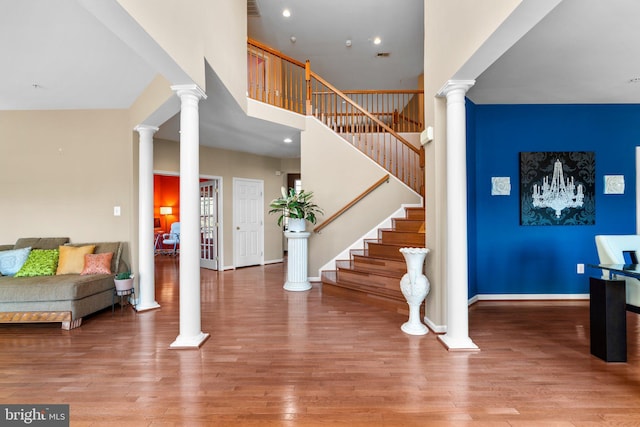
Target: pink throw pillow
97	263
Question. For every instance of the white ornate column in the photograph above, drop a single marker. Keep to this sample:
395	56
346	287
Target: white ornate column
297	279
146	268
191	335
457	336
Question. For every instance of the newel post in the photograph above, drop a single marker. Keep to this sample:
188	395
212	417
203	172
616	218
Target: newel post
307	77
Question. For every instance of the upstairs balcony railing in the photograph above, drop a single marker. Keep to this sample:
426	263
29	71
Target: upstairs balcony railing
370	120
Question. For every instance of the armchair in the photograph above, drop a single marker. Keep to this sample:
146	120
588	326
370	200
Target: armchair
172	237
612	250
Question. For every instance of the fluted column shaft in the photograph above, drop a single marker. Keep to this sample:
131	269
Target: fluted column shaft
297	279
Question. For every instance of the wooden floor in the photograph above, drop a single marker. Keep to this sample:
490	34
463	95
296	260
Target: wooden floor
278	358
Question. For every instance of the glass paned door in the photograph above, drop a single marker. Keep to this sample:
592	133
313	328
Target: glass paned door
209	224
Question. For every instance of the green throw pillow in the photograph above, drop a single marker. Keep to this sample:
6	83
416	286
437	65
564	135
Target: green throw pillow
41	262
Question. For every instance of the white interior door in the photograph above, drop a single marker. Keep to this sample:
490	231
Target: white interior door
209	224
248	226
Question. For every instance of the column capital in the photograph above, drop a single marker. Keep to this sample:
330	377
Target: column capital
145	128
190	89
453	85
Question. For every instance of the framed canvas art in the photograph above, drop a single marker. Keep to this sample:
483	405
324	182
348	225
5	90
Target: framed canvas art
557	188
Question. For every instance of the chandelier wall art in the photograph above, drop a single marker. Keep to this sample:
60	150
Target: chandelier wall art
557	188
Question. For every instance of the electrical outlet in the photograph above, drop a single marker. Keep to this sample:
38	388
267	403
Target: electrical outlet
580	269
116	211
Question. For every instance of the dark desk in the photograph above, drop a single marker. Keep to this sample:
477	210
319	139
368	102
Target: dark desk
608	312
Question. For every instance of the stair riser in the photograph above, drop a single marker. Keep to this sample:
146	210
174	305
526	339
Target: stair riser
407	225
384	251
409	239
348	276
414	213
373	290
379	265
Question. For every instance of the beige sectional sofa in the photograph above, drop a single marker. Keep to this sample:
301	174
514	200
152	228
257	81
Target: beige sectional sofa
63	298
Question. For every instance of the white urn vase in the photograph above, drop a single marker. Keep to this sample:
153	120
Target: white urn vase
415	287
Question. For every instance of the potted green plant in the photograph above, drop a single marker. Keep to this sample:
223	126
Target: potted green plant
124	281
298	207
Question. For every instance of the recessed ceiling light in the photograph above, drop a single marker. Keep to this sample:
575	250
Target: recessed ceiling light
288	140
377	40
286	13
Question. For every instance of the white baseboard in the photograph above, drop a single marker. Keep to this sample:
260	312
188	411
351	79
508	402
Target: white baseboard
274	261
530	297
438	329
442	329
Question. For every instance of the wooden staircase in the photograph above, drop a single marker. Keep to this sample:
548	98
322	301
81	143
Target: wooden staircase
372	275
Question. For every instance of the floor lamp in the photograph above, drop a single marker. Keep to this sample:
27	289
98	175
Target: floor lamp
164	211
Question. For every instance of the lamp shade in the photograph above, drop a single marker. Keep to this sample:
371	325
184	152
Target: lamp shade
166	210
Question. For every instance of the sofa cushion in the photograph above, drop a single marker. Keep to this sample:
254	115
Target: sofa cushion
97	263
11	261
52	288
40	242
41	262
71	259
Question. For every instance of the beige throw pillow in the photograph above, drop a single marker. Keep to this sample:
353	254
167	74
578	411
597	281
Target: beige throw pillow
72	258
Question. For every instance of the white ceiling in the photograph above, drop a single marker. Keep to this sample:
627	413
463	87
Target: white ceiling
57	55
322	28
583	51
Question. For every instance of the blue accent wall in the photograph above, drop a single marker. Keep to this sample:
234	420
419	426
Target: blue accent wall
507	258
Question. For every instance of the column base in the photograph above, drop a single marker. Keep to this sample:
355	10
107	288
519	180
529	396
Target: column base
458	344
189	342
297	286
154	305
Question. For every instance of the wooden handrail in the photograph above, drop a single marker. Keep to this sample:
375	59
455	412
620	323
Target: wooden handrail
272	51
351	203
386	91
366	113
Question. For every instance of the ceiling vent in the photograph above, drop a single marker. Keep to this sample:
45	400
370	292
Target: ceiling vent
252	8
383	54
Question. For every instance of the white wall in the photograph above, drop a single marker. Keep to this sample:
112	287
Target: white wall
337	173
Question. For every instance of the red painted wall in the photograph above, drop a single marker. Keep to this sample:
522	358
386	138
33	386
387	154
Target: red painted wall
166	192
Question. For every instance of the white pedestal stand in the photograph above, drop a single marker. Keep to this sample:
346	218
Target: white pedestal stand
297	279
415	287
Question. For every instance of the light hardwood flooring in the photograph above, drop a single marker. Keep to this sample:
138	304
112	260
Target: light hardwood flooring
278	358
